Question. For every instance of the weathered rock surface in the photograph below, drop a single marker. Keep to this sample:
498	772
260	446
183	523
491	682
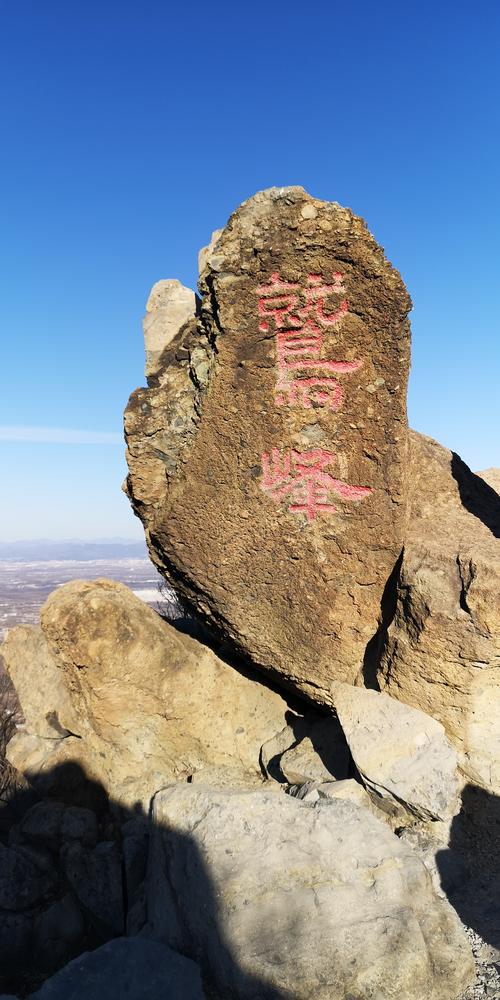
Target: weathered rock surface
268	464
169	307
311	748
441	652
346	788
402	754
126	967
331	905
144	703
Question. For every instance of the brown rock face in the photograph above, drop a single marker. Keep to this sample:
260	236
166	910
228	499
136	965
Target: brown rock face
442	652
268	457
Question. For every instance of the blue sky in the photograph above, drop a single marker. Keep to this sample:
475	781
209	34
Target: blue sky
132	130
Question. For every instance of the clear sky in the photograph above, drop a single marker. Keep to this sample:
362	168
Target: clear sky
131	130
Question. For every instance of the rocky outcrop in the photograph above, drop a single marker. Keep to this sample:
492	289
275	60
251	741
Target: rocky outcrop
402	755
268	461
169	308
441	649
331	905
109	686
283	497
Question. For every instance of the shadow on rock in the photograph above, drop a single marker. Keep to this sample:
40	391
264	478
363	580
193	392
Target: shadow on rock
373	651
72	878
475	847
477	496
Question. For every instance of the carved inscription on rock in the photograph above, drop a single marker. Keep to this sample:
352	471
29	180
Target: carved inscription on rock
285	513
300	315
301	479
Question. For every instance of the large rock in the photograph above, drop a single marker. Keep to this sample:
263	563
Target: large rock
268	461
402	755
275	897
441	647
129	699
127	967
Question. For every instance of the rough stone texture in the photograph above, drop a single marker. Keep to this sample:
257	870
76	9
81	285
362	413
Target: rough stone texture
322	754
401	754
27	658
347	788
332	905
441	652
169	307
145	703
299	593
127	967
311	748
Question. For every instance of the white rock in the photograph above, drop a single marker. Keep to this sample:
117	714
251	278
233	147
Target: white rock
401	753
276	897
205	254
169	307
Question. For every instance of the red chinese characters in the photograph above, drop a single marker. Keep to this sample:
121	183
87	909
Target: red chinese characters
302	480
300	318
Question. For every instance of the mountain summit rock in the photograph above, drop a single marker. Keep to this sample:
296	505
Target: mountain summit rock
267	459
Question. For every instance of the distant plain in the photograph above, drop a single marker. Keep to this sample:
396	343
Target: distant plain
26	581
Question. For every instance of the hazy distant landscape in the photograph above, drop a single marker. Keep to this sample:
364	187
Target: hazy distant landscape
31	570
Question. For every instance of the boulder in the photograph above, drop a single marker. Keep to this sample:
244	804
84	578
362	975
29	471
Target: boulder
402	755
52	824
126	967
95	875
310	748
441	641
27	658
169	307
268	462
276	897
136	703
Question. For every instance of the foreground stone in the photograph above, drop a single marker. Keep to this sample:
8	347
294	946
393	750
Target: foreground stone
275	897
112	689
441	651
402	755
126	967
268	461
